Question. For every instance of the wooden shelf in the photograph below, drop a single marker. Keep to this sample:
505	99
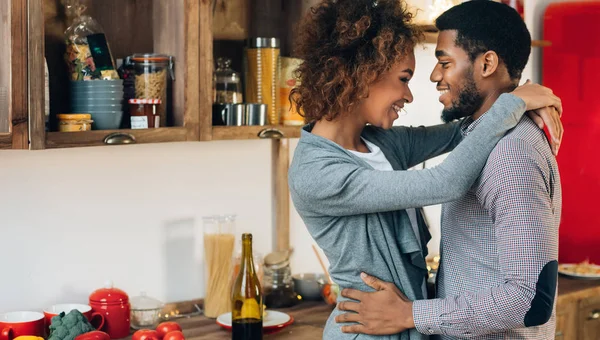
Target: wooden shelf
541	43
96	137
253	132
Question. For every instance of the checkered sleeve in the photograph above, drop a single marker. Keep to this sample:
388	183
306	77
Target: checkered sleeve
516	190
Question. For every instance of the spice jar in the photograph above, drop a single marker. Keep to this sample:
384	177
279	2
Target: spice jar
75	122
152	72
144	113
262	66
227	83
145	311
113	304
278	283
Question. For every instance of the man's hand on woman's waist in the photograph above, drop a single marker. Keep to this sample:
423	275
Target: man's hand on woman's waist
383	312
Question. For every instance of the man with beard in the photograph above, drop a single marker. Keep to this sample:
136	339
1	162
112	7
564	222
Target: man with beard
498	273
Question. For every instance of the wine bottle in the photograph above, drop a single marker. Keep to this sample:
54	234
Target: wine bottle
246	298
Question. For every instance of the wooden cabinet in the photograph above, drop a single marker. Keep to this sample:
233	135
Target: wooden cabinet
13	75
578	310
181	28
131	26
589	318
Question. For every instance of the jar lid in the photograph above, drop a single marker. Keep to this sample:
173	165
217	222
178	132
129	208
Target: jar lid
109	295
151	58
144	302
277	259
261	42
145	101
74	116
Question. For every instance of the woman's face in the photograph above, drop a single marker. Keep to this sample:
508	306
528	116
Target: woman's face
388	95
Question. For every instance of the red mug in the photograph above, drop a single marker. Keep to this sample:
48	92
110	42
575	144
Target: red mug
86	310
15	324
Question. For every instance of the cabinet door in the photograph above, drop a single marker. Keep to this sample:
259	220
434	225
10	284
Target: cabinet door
589	318
566	321
13	75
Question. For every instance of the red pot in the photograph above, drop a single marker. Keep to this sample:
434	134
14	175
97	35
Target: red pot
113	304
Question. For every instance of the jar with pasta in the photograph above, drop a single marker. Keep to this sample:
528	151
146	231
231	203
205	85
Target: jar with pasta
152	74
219	245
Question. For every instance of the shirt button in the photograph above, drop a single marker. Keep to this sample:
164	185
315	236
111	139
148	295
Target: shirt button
430	330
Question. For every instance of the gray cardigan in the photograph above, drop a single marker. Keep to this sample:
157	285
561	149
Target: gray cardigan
356	214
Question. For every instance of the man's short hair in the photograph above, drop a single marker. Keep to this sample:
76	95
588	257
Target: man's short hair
483	26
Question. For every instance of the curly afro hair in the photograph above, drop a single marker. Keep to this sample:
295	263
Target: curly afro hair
346	45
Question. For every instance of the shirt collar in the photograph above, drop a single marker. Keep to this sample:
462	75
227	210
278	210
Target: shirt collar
469	124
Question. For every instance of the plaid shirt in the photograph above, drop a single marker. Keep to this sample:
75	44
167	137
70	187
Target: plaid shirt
495	242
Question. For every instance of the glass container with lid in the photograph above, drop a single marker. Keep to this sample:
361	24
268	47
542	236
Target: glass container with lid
152	73
227	83
145	311
278	284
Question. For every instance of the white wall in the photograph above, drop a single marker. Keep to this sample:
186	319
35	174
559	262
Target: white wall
71	219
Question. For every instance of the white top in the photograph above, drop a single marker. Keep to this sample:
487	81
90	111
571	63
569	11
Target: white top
376	158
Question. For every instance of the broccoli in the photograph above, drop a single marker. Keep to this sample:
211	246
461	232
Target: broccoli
67	327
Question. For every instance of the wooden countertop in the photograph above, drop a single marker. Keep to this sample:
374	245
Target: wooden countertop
572	289
310	317
309	321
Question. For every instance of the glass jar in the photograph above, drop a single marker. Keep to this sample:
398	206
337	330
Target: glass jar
144	113
227	83
219	243
152	72
278	285
74	122
145	311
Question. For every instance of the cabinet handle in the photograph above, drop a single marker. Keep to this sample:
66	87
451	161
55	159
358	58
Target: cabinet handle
270	133
595	315
118	138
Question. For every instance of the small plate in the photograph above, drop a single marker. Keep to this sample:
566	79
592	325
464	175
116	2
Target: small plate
568	270
273	320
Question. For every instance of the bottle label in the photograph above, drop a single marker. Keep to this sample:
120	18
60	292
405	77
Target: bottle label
139	122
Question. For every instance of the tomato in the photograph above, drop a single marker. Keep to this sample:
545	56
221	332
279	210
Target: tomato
174	335
93	335
145	334
166	327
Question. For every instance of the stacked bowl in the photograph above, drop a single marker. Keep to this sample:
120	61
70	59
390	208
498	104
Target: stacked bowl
103	99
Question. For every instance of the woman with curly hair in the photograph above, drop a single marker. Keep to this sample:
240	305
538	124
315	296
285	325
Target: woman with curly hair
348	178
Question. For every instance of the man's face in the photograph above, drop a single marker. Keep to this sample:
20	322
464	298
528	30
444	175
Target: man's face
454	77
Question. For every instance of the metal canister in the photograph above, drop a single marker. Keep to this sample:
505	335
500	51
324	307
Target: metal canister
262	67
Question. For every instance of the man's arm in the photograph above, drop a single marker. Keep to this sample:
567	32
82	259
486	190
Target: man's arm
517	192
